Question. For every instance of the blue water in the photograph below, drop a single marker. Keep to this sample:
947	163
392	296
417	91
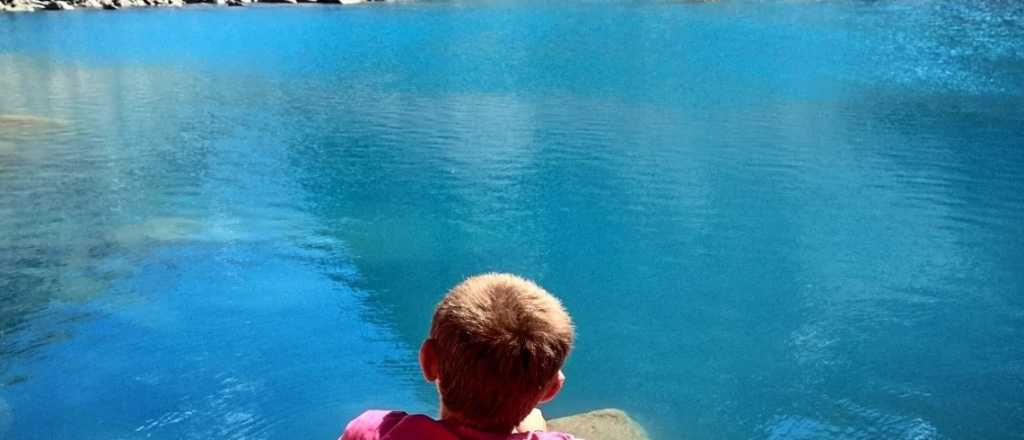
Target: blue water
769	219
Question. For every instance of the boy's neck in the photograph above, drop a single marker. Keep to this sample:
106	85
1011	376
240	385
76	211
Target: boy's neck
453	419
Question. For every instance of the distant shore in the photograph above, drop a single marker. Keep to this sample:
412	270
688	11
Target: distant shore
68	5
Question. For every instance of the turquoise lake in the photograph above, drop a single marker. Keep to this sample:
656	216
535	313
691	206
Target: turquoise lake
770	220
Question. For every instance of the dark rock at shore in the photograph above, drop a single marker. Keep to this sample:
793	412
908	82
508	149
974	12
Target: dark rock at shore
59	5
163	3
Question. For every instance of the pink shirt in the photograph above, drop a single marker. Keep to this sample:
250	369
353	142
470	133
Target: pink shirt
397	425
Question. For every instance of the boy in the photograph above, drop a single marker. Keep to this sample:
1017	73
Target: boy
495	350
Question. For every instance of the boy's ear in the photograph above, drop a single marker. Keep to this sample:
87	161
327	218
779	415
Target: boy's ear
428	360
553	387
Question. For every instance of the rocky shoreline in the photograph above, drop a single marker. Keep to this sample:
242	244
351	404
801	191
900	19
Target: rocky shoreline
67	5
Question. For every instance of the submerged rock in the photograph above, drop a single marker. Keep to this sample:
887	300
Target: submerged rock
16	119
159	229
602	424
14	127
176	229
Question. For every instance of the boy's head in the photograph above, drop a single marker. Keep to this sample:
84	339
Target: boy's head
496	347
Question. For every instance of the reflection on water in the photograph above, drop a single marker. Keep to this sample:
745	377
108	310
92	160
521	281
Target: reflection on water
127	266
771	220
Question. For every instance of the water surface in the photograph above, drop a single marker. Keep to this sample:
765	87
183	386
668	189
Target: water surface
769	220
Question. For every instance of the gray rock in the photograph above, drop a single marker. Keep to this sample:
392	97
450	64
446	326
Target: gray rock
603	424
59	5
18	6
127	3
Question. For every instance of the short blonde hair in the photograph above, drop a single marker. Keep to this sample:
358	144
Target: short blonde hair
500	339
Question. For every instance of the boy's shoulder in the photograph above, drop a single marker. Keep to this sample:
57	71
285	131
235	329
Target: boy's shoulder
368	425
399	425
392	425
